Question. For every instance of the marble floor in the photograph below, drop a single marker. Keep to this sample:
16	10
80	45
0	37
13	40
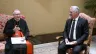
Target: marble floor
47	48
93	45
51	48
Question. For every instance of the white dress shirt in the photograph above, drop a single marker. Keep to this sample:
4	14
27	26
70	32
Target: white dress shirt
74	32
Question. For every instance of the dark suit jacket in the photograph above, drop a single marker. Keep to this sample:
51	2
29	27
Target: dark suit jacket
82	30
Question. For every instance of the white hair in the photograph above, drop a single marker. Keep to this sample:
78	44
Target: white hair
16	11
75	8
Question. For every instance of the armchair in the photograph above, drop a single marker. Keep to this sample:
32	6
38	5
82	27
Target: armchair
91	22
3	19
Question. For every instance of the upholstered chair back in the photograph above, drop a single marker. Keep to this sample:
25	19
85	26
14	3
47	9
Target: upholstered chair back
3	19
91	21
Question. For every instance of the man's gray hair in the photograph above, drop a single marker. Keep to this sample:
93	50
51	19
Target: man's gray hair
75	8
16	11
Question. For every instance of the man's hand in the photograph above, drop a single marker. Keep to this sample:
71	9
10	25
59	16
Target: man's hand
66	40
16	28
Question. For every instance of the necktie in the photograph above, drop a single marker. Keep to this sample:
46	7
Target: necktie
72	30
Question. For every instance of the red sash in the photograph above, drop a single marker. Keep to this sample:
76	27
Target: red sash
29	45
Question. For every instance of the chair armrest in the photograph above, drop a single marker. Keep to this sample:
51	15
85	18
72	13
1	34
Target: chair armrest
88	41
59	37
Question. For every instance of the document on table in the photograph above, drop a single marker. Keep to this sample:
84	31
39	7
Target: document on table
18	40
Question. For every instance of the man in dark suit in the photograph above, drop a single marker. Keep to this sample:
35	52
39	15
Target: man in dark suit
75	33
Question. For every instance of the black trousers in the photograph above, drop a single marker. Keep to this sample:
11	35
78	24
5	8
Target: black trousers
76	49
